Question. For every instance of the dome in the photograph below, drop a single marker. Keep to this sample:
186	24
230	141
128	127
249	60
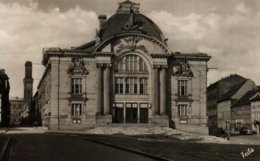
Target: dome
129	20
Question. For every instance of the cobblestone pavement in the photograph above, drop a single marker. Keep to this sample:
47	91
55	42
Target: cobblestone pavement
41	147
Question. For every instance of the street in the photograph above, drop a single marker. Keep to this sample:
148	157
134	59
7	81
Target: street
72	147
246	139
41	147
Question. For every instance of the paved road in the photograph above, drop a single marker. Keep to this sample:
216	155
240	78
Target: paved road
42	147
246	139
184	150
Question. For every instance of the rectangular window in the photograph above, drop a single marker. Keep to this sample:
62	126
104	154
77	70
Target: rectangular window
120	66
143	85
76	109
76	86
119	86
127	86
182	87
131	86
182	110
142	66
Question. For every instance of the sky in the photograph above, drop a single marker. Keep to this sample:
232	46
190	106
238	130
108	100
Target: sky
229	31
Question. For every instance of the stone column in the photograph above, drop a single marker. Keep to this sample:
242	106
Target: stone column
106	90
99	89
163	91
155	90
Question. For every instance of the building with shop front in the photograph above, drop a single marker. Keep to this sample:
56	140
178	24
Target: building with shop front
220	97
255	111
128	74
246	112
228	99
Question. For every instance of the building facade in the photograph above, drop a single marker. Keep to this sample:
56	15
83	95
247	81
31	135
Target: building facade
17	110
234	94
20	107
219	94
255	111
245	112
4	95
127	74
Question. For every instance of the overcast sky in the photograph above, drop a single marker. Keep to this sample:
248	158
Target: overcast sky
228	30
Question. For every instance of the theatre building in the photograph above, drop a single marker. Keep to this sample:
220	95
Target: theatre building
127	74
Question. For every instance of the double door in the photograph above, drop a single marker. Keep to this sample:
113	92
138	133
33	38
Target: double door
131	113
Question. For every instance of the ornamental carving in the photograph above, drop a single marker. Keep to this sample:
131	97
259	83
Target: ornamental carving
132	25
77	67
182	69
131	43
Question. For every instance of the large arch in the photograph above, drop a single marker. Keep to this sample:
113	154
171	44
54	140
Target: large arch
153	40
130	84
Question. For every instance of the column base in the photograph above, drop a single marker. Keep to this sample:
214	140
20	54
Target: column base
161	120
103	120
191	128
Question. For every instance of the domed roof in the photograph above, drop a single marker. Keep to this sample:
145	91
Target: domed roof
129	20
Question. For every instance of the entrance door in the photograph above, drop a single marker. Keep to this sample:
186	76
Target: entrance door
143	115
119	115
131	112
143	112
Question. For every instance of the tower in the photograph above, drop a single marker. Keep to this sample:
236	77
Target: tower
28	86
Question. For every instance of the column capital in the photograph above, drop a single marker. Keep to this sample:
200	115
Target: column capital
160	66
104	65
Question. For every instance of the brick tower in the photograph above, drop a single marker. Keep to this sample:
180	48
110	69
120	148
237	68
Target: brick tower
28	87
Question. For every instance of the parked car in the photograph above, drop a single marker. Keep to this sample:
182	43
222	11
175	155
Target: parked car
246	131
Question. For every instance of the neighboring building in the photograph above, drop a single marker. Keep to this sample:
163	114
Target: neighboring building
35	113
215	93
20	107
255	111
245	112
241	112
17	110
228	99
127	75
4	95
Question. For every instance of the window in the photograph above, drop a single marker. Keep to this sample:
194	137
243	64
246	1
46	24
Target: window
133	63
131	75
131	86
143	85
182	87
119	86
76	109
76	86
182	110
142	65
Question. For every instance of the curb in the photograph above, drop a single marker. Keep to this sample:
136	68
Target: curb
3	151
131	150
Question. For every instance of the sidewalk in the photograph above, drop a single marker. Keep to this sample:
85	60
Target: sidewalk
3	130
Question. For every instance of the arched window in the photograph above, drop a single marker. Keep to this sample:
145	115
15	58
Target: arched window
131	63
131	75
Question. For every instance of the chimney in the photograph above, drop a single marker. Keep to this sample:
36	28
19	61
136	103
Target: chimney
102	20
